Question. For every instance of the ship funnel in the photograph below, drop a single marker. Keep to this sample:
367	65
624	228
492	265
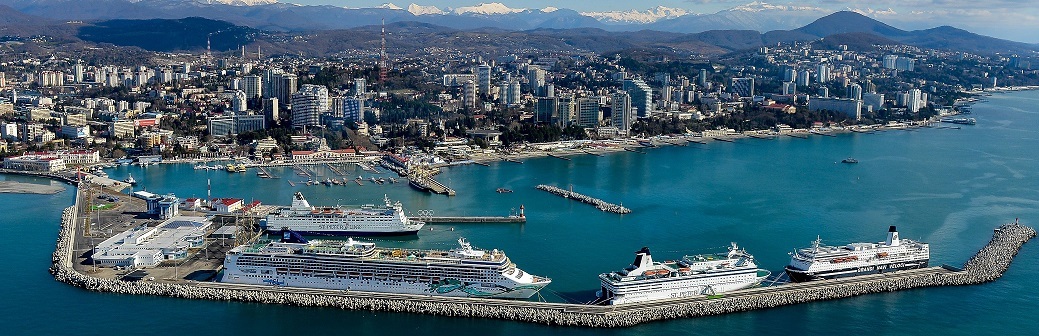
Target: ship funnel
892	236
643	259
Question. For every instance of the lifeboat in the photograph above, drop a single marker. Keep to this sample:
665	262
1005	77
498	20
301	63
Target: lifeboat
882	255
315	211
685	269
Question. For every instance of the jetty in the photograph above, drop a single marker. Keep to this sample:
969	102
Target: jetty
696	141
505	158
478	219
988	264
764	137
334	170
634	150
598	203
799	136
722	139
559	157
591	152
822	133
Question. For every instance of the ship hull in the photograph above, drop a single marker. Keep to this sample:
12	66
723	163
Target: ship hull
373	284
799	275
352	233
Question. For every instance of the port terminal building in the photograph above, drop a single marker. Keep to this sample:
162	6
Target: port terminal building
145	246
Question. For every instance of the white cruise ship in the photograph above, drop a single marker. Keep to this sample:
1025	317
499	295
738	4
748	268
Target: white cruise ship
708	274
367	220
358	266
830	262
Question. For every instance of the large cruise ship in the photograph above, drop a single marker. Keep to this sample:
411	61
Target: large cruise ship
350	265
368	220
706	274
830	262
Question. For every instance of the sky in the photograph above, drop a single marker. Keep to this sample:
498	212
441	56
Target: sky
1016	20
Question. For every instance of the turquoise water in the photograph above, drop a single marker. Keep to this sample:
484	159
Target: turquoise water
944	186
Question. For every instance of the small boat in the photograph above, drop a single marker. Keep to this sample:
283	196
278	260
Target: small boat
129	180
503	190
850	160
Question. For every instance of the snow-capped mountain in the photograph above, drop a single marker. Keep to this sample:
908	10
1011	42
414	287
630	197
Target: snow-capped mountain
389	5
494	8
416	9
237	2
639	17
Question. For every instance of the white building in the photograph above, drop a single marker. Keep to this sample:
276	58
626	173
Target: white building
620	103
850	107
42	162
308	104
148	246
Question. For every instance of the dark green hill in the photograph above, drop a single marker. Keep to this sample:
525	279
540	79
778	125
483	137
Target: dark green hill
169	35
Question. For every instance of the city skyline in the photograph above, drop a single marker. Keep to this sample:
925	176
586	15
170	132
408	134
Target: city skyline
1007	19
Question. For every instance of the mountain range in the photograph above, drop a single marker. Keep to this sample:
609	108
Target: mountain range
325	30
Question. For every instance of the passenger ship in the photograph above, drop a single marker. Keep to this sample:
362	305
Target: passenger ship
830	262
368	220
709	274
351	265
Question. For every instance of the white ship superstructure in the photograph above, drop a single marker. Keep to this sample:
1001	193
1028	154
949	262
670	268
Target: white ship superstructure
359	266
365	220
708	274
830	262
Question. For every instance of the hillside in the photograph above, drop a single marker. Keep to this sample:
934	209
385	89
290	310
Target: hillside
169	35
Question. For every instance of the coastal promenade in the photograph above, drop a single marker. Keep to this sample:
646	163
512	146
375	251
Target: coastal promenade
986	265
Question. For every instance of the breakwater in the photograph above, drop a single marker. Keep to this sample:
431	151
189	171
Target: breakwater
598	203
986	265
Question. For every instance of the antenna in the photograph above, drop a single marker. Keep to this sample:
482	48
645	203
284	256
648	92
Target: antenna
382	56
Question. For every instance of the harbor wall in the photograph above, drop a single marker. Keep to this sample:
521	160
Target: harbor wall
986	265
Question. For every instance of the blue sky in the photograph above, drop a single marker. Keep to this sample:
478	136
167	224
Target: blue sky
1010	19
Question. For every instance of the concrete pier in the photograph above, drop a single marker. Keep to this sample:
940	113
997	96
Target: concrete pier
463	219
986	265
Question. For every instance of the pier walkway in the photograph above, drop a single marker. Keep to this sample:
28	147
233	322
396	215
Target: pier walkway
462	219
598	203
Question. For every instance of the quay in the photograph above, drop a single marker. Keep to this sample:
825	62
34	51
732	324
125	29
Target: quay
598	203
986	265
459	219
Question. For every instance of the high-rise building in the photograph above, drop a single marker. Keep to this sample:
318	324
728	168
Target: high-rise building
546	109
914	100
270	110
588	112
641	96
702	79
824	92
353	109
803	78
252	85
875	101
565	111
360	86
850	107
889	61
905	64
823	73
282	86
483	78
743	87
620	104
854	91
308	104
469	95
77	72
536	77
789	88
239	102
510	93
789	75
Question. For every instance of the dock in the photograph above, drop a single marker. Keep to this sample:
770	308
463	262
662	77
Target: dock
696	141
368	168
598	203
634	150
592	153
462	219
503	158
988	264
559	157
763	137
792	135
723	139
485	164
334	170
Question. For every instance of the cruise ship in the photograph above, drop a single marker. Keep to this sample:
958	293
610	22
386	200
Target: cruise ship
360	266
368	220
830	262
698	275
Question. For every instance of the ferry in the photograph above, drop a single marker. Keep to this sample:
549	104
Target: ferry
697	275
831	262
361	266
366	220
